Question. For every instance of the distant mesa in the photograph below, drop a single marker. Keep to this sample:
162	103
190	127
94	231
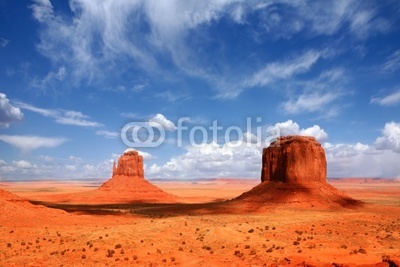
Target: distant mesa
294	174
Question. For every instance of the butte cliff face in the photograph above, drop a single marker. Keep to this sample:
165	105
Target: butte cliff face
294	159
294	174
129	164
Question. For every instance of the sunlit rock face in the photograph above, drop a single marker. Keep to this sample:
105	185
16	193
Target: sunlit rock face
294	159
130	164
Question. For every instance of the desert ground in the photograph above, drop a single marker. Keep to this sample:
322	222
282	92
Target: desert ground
199	230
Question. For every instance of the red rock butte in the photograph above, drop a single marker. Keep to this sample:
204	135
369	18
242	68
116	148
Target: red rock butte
130	164
294	159
293	173
129	185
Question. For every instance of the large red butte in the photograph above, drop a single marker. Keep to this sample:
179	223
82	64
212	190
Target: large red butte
294	159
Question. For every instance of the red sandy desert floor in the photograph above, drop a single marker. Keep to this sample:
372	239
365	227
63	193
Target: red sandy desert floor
198	234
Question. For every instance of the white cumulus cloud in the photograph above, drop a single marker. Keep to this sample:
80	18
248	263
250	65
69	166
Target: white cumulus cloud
211	160
8	113
163	121
292	128
23	164
390	139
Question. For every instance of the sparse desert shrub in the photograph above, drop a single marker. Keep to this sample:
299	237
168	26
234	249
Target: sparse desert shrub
296	243
362	251
126	259
343	246
353	252
247	247
251	230
206	247
110	253
83	257
118	246
9	245
238	253
134	257
173	259
298	232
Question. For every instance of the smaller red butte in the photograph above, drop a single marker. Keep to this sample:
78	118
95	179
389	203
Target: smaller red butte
128	184
129	164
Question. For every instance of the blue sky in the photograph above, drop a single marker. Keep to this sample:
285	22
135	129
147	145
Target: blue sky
72	74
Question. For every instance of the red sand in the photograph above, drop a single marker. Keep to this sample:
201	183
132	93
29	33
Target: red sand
214	234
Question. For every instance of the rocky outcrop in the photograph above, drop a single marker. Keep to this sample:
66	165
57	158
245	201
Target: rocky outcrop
293	174
128	184
129	164
15	211
294	159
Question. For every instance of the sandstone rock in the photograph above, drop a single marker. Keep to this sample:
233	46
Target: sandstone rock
294	175
129	164
294	159
128	184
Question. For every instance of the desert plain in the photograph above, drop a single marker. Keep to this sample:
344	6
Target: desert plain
198	234
294	216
